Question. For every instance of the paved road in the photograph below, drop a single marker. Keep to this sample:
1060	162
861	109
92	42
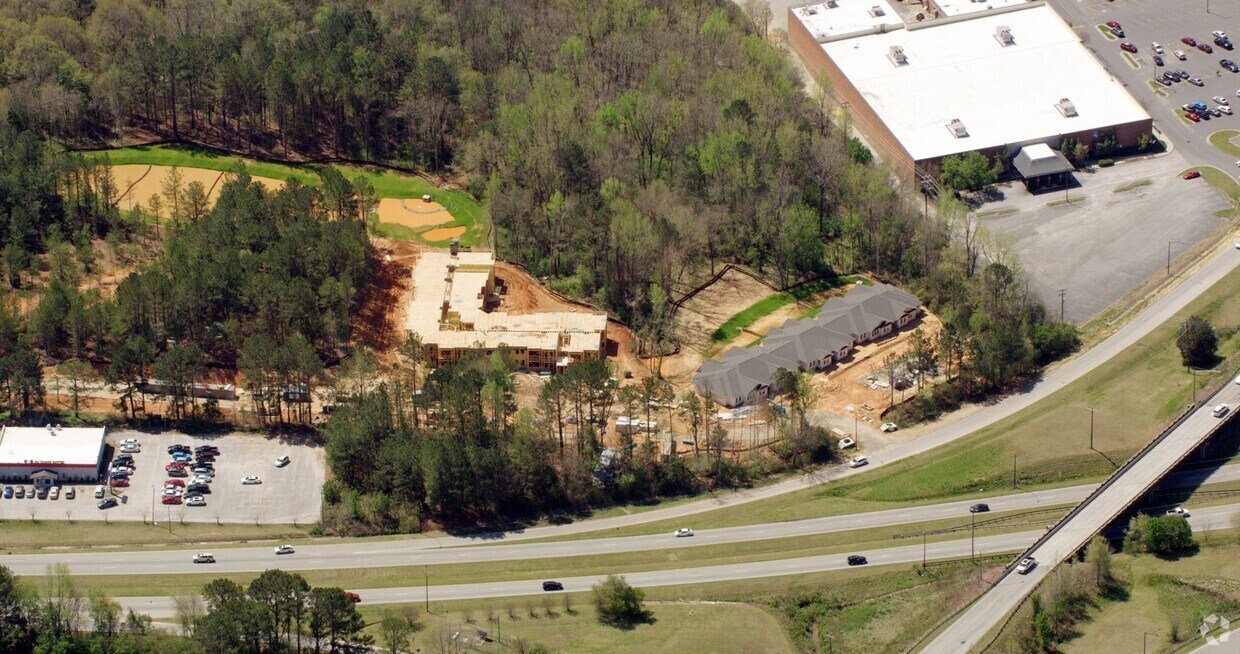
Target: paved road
464	550
971	628
1203	520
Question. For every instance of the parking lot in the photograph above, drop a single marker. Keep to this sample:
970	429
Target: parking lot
291	494
1107	240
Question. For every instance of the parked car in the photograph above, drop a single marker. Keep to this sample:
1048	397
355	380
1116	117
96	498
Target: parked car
1223	43
1026	564
1205	47
1179	511
55	493
1129	47
980	507
1196	119
552	585
251	480
1156	47
207	448
123	482
1117	32
174	483
198	489
70	493
203	557
203	469
1224	109
1158	60
856	559
282	461
1218	35
8	492
284	549
1179	54
352	597
130	441
42	493
99	491
858	461
195	500
178	472
130	449
1189	41
106	503
174	466
173	449
171	499
173	492
1229	65
1196	81
683	532
1112	24
1221	410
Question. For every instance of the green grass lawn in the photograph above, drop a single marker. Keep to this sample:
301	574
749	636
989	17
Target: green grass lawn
766	306
388	184
25	535
1222	140
574	627
1106	31
1167	600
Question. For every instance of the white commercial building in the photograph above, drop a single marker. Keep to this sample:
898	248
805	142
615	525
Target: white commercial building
51	455
993	82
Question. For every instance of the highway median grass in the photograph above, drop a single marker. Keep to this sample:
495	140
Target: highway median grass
24	536
679	558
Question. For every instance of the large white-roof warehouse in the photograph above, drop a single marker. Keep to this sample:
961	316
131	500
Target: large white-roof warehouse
992	81
68	453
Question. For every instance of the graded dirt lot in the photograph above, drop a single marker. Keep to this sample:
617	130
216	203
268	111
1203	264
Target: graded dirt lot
442	233
292	494
699	317
411	213
138	182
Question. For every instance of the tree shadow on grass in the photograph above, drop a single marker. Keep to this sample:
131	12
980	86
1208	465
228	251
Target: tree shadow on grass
633	622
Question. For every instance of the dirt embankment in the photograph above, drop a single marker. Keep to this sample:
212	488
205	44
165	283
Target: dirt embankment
379	320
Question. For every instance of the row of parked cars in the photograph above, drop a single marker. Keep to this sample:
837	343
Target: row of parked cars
44	493
198	461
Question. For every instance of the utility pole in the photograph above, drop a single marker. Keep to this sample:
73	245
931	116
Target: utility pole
1062	293
923	550
972	534
1169	255
1092	411
1013	470
428	589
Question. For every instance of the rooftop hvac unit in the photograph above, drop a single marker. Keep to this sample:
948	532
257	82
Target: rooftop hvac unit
957	128
1066	108
876	11
832	4
1003	34
811	11
897	56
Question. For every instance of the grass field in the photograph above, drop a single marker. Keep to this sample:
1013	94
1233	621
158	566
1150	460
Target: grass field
1222	140
676	627
768	305
387	184
1167	599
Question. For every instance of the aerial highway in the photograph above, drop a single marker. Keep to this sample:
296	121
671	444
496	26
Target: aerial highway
1203	520
1072	534
449	550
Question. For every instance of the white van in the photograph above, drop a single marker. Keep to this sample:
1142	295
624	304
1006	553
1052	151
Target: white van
1221	410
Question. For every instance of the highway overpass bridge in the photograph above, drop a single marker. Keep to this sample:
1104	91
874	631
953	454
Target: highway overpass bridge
974	628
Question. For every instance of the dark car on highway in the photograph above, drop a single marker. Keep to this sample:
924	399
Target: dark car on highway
552	585
857	559
980	507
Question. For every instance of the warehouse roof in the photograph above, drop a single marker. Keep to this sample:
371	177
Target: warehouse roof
51	446
992	80
835	19
959	7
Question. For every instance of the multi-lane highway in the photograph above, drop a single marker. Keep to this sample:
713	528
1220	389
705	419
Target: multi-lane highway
1074	532
1203	520
462	550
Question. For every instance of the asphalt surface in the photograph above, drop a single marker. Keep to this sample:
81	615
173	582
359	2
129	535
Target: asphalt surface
1202	520
967	631
463	550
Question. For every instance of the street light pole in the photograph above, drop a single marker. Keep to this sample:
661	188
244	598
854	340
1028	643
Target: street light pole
1169	248
972	535
1092	411
1013	470
923	550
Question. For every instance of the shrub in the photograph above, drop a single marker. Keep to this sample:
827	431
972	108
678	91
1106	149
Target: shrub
619	604
1168	534
1197	342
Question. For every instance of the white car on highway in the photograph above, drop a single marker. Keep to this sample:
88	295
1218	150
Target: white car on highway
251	480
1026	564
683	532
1221	410
1178	511
284	549
858	461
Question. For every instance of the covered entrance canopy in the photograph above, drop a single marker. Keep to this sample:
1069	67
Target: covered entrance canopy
1042	168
